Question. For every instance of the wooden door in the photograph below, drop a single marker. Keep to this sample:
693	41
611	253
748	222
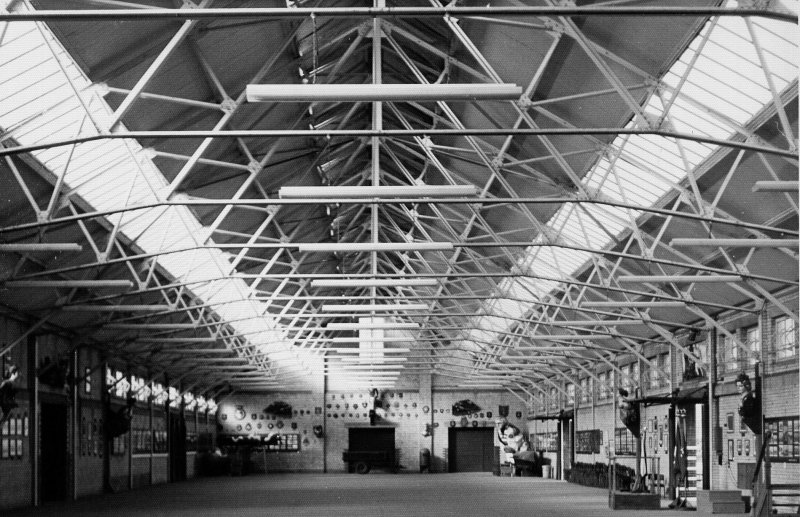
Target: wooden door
471	449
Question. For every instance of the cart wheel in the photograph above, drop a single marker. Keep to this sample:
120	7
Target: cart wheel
362	468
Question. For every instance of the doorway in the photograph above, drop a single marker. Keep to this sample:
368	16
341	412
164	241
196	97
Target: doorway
177	447
566	445
374	442
54	445
471	449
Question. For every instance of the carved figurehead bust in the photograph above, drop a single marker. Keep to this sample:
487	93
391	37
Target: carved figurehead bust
629	412
749	405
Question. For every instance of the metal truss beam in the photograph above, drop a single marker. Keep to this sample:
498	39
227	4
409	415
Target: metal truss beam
388	133
391	12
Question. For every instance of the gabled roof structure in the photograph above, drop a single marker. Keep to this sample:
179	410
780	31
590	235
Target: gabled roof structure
631	173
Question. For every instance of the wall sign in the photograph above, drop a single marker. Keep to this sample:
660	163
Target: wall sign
784	446
588	442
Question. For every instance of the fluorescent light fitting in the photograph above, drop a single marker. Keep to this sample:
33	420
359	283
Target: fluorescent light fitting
377	339
67	283
368	367
742	243
370	326
592	337
479	385
354	247
590	323
775	186
376	307
41	246
642	305
370	192
545	349
116	308
374	282
149	326
374	358
168	340
381	92
360	350
631	279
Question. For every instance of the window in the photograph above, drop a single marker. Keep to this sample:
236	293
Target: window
140	434
553	398
626	377
692	369
612	380
191	442
141	390
653	375
603	388
159	394
12	436
87	380
727	354
753	343
585	390
118	445
785	443
159	441
624	442
570	394
174	397
784	337
118	385
542	404
666	367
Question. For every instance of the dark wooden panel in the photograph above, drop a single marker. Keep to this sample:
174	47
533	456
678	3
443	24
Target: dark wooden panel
471	450
371	439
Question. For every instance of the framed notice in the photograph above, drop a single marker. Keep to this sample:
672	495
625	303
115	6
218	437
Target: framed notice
784	445
588	442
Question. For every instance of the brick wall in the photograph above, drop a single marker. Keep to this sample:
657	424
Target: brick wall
408	412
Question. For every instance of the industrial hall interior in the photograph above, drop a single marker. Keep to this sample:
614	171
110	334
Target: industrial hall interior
384	257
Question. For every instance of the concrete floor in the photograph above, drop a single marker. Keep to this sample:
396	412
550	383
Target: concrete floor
349	495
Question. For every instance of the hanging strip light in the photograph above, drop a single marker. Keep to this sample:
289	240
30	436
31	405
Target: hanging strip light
381	92
370	192
373	358
631	279
592	337
361	350
374	282
376	307
41	246
371	326
591	323
384	339
743	243
67	283
641	305
775	186
349	247
116	308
